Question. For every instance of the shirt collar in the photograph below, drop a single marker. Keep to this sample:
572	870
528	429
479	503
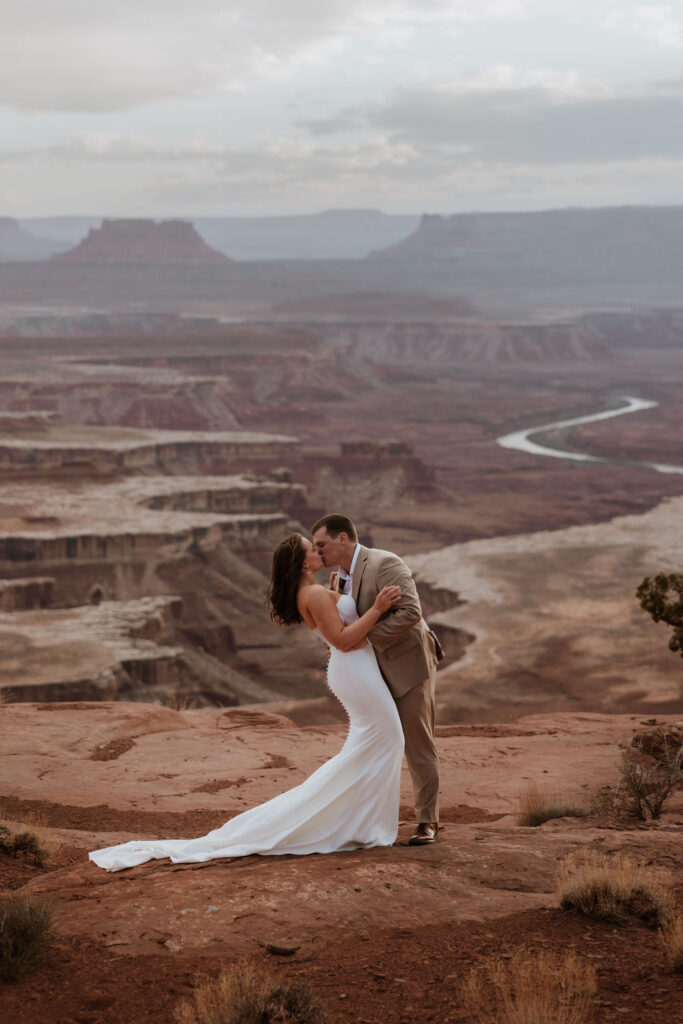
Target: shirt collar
347	575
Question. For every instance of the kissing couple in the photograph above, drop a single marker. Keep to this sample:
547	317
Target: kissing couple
382	668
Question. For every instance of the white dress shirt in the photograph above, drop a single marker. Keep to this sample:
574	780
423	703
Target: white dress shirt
346	578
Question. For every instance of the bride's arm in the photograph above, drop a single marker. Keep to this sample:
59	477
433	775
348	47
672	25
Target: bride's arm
322	607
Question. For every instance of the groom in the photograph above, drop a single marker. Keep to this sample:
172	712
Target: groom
406	649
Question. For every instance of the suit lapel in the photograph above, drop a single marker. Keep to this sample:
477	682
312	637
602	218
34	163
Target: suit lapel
358	571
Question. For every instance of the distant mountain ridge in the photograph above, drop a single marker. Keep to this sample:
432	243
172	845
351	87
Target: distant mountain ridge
655	232
330	234
19	245
510	263
141	241
545	231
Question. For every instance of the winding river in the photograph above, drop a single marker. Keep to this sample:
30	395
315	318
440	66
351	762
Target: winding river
523	440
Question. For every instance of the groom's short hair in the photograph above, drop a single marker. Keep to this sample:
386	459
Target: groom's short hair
336	523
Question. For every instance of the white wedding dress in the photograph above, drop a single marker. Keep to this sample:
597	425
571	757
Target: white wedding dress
349	803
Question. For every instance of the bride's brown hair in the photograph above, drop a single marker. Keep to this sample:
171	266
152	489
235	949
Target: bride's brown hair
288	561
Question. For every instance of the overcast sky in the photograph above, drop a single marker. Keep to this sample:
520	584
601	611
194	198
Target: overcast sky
170	107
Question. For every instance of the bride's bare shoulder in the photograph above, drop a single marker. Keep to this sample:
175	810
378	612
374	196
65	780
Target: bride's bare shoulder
316	594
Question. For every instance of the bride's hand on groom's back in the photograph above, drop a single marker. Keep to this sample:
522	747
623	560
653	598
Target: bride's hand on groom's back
387	598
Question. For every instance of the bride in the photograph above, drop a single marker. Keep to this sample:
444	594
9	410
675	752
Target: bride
351	801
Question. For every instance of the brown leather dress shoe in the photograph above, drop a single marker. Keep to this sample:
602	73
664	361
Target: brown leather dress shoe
426	832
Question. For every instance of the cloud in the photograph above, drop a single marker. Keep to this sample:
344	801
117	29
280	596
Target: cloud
287	175
535	120
656	24
295	160
124	104
402	180
82	55
105	148
529	123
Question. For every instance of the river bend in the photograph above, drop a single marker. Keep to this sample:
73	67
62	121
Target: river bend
531	439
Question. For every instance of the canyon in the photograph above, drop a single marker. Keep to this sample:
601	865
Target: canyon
160	460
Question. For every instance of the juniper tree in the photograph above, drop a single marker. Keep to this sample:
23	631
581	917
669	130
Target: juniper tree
662	597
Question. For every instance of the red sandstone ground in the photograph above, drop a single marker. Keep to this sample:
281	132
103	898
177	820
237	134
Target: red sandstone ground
383	936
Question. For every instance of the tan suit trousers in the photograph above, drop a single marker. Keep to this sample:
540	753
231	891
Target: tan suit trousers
416	709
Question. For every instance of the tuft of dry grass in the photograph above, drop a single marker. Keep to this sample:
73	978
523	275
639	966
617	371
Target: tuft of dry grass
614	888
530	988
671	938
26	934
180	702
6	695
24	844
41	836
249	994
536	805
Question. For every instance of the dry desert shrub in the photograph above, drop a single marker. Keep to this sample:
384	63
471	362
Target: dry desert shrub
248	994
614	888
611	802
26	933
6	695
180	702
22	844
648	785
42	843
671	938
536	805
530	988
645	782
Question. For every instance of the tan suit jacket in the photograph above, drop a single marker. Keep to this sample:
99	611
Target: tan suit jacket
403	642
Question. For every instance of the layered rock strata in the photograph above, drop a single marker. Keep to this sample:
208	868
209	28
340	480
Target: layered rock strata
93	533
139	521
91	653
98	393
30	421
143	451
22	594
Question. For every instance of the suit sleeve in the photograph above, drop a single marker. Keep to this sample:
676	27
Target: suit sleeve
392	571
